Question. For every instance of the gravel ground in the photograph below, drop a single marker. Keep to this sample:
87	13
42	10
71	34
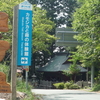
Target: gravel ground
7	96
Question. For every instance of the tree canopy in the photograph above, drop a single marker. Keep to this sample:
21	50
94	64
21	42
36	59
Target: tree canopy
87	23
41	25
59	11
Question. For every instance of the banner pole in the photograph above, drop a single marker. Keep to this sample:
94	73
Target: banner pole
14	55
26	79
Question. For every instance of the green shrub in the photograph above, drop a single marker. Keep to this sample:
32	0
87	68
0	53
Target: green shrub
74	86
96	87
67	85
59	85
71	85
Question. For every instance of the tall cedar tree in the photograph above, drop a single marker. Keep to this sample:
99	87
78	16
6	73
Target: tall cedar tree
59	11
87	22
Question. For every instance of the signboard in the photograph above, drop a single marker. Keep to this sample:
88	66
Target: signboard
4	46
3	22
4	86
24	34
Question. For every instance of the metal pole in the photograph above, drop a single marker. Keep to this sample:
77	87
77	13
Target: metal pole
26	79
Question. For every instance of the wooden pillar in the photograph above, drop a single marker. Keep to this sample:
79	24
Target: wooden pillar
14	54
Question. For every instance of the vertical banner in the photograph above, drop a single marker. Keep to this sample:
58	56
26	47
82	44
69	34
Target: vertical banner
24	34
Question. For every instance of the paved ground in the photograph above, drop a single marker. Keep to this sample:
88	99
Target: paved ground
54	94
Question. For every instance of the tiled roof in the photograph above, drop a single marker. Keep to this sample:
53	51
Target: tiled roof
56	64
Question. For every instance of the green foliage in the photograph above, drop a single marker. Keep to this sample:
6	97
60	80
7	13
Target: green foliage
67	85
71	85
42	26
21	86
4	68
87	23
97	78
96	87
74	67
41	39
74	86
59	85
72	70
59	11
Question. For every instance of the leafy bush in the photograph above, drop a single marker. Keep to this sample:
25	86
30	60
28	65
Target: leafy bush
67	85
59	85
74	86
71	85
96	87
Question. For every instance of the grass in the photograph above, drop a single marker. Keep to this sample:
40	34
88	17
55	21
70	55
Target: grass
5	69
21	86
96	87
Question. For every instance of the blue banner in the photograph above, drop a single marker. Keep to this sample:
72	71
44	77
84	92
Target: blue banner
24	34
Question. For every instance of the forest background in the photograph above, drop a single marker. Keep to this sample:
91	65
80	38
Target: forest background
81	15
